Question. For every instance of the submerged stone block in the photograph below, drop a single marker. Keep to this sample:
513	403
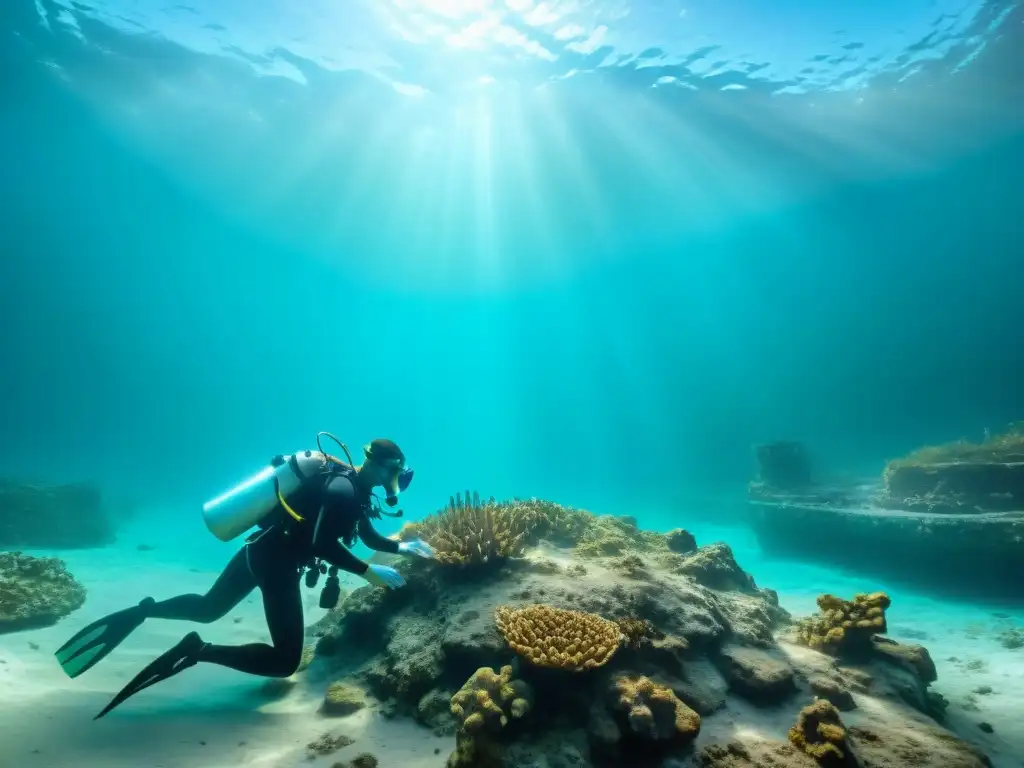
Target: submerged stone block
52	516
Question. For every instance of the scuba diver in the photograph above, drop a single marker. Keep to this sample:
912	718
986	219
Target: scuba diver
302	505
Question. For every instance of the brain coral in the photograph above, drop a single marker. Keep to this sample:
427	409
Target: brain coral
557	638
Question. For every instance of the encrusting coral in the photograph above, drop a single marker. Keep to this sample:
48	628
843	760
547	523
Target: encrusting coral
653	711
843	626
558	638
35	591
819	733
342	699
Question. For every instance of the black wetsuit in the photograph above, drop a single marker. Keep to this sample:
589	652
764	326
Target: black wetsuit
273	560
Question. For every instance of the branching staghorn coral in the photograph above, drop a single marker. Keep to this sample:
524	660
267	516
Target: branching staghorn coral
468	532
845	626
557	638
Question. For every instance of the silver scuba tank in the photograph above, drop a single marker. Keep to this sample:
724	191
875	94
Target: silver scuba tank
236	511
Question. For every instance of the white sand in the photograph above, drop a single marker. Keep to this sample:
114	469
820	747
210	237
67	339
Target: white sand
209	717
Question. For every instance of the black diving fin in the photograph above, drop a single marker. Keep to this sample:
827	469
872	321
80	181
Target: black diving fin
182	656
92	644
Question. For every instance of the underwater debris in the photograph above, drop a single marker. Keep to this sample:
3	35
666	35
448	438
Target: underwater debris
327	744
36	591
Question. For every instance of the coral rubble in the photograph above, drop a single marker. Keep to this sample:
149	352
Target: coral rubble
617	646
35	591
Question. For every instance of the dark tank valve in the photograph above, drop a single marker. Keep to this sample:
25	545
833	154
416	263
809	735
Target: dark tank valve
313	574
331	592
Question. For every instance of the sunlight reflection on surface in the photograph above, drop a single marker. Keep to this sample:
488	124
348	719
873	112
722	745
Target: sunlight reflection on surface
437	45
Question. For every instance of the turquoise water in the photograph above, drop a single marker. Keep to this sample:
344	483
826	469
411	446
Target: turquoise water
587	251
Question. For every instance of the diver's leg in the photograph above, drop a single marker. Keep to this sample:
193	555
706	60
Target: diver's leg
282	603
231	587
93	643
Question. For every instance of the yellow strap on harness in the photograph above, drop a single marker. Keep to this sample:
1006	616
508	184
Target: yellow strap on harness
285	507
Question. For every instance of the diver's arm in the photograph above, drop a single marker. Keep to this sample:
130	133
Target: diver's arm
338	504
334	553
375	540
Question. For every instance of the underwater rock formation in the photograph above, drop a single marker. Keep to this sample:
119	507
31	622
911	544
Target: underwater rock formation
784	465
613	648
949	518
52	517
35	592
960	477
845	627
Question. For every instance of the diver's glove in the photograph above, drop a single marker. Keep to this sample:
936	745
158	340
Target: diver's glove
416	547
383	576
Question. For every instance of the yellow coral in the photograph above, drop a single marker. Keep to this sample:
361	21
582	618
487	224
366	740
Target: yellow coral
343	699
654	711
470	532
557	638
844	626
819	732
488	698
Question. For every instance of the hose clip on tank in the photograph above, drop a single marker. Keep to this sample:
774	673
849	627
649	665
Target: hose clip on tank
331	592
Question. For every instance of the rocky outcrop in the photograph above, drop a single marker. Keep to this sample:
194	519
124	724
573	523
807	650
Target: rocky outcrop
948	517
35	592
615	649
52	517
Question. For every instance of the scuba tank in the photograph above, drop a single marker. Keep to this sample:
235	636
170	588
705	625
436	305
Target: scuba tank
243	507
247	504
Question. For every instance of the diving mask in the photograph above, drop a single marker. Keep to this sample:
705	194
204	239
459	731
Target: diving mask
396	478
396	484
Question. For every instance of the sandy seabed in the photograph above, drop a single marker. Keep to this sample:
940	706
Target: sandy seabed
210	717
